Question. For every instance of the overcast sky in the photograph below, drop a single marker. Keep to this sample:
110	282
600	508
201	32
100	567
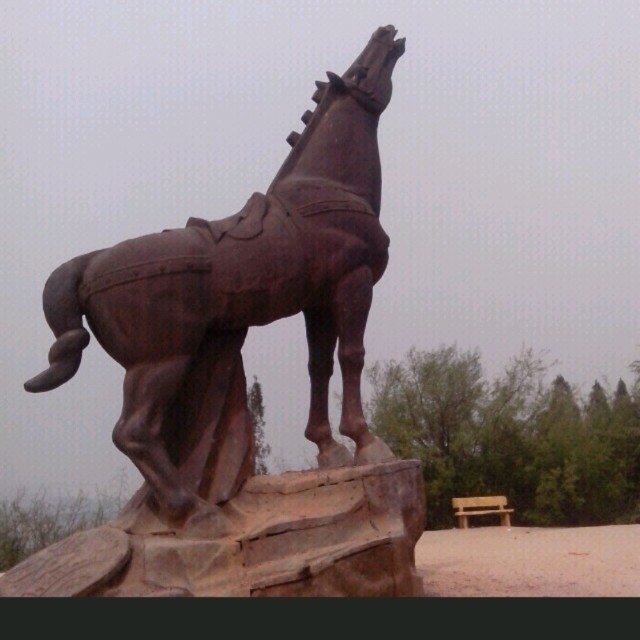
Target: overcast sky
511	185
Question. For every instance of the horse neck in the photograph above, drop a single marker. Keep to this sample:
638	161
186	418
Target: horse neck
339	145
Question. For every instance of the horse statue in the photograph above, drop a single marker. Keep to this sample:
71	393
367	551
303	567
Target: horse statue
167	304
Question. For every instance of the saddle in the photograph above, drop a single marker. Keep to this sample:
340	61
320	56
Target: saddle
244	225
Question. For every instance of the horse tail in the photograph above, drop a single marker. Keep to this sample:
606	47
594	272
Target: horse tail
63	313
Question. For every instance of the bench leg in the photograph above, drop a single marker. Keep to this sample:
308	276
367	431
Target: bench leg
505	520
464	522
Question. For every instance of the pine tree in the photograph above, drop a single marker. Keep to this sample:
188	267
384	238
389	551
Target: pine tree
622	401
598	412
559	459
626	437
563	403
256	411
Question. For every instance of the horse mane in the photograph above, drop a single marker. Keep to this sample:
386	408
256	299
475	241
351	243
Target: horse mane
324	96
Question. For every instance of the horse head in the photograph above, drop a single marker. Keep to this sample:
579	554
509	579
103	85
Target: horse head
345	122
368	79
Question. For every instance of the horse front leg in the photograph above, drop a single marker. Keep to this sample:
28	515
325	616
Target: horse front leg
321	338
352	302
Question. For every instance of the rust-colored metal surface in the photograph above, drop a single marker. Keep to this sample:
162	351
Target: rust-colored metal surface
173	308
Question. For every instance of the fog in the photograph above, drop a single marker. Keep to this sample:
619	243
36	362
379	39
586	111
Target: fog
511	186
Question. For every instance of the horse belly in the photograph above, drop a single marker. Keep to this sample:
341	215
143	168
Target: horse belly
258	281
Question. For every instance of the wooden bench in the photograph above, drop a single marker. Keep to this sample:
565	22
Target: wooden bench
480	506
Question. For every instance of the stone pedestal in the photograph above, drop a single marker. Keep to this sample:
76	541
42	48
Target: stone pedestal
339	532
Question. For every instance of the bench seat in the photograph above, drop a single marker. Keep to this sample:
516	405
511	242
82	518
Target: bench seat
482	513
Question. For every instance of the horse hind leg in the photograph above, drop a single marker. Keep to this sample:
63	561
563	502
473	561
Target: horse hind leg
321	338
149	389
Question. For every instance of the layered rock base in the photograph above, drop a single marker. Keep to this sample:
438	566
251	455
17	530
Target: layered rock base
343	532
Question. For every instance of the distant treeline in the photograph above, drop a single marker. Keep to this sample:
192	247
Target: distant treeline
31	522
560	459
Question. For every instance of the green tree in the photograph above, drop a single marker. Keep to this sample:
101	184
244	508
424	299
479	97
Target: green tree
604	487
560	460
635	368
598	412
623	407
29	523
625	447
426	407
632	513
256	412
559	451
514	403
559	425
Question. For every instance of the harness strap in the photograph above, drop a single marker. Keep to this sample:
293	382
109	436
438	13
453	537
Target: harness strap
143	271
317	198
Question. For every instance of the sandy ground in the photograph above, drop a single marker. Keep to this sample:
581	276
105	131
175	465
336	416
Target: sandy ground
531	562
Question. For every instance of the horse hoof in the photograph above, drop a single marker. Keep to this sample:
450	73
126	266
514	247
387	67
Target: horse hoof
375	451
206	523
337	455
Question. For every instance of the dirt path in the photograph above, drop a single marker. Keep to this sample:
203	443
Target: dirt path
531	562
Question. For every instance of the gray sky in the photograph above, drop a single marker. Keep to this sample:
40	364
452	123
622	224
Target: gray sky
511	185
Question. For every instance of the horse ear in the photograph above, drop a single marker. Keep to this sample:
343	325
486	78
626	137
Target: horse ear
336	81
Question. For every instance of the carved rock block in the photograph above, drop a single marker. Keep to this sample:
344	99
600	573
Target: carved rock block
336	532
75	566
